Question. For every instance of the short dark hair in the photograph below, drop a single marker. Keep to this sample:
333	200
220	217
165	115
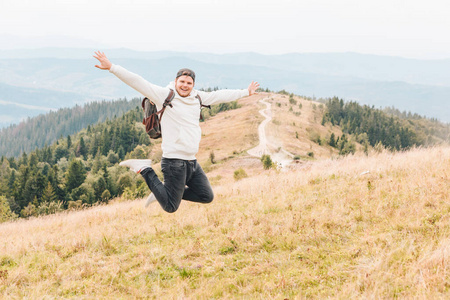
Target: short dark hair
186	72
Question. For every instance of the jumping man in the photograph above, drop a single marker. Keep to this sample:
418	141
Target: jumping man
181	134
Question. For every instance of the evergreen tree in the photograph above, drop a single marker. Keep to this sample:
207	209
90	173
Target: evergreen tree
5	211
107	178
33	161
30	189
97	162
81	149
4	177
121	152
11	183
75	176
47	155
12	163
99	187
94	145
41	183
106	142
113	135
17	189
55	181
332	142
69	142
24	159
49	194
60	152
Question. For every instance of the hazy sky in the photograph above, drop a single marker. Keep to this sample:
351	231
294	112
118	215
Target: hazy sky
414	28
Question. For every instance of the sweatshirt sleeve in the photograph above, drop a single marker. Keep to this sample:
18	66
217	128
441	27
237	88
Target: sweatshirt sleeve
155	93
220	96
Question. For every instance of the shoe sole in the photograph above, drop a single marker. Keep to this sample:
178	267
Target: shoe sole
150	199
125	163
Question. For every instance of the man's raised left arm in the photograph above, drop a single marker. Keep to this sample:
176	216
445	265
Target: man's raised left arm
221	96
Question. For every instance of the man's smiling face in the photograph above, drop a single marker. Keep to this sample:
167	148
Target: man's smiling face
184	85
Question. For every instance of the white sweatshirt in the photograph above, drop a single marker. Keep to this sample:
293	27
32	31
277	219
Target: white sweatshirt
180	126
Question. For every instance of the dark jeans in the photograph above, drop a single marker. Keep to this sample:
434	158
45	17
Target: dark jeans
183	179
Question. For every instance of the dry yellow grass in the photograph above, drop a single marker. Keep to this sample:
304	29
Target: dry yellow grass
231	132
292	129
327	229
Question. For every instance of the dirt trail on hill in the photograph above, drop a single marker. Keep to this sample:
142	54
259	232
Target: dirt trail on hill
279	155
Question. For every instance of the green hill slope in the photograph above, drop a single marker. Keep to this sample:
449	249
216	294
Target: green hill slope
46	129
356	227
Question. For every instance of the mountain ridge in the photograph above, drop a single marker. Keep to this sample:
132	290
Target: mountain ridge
365	78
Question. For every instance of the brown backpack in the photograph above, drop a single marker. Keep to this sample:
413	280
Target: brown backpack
152	117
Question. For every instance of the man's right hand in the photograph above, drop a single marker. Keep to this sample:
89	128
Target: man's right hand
105	64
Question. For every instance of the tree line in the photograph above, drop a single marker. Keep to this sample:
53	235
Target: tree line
77	170
47	128
375	126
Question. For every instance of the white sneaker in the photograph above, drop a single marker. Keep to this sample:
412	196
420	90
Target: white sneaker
137	165
150	199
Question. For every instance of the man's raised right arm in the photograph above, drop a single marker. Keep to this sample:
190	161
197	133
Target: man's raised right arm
154	92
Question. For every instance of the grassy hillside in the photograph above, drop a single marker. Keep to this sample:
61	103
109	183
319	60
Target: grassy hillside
359	226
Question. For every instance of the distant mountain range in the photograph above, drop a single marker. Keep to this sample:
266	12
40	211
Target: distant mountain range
34	81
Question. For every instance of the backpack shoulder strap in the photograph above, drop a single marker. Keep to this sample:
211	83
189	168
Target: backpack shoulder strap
166	103
201	104
169	99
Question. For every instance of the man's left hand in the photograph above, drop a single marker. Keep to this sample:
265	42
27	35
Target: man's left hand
252	88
